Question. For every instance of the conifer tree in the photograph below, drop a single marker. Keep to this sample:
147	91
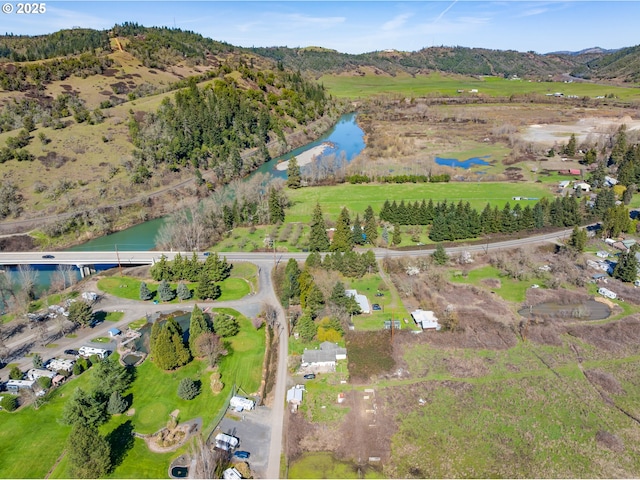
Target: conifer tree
165	291
440	255
89	454
197	326
358	234
307	327
342	237
397	237
370	226
145	294
578	239
183	291
293	174
276	211
318	238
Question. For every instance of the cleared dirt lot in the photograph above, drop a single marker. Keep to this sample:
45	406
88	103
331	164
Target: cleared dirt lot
585	129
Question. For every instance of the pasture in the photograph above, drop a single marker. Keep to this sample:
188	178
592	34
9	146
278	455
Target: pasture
439	84
357	197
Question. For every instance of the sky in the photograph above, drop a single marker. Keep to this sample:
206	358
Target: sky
359	26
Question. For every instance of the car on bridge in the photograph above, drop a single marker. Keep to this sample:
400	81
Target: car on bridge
48	256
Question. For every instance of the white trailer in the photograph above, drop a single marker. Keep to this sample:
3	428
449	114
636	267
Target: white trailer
241	403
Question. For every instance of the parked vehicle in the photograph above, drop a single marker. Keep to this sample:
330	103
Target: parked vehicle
376	306
310	376
71	352
242	454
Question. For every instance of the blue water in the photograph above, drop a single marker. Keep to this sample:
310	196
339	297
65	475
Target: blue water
138	238
347	139
466	164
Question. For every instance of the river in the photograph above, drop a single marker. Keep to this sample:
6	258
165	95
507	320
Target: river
346	138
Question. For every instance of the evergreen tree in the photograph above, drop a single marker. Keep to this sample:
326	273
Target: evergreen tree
216	268
117	404
605	200
370	226
197	326
145	293
397	237
276	210
37	361
188	389
627	267
168	350
318	238
342	237
165	292
385	236
628	194
110	376
578	239
183	291
307	327
161	270
85	409
616	220
293	174
88	453
226	326
313	301
80	312
358	233
440	255
291	284
570	149
207	289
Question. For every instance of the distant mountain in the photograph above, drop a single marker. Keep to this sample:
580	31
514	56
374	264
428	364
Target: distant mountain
586	51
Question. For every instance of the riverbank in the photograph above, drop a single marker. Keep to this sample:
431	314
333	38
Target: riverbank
305	158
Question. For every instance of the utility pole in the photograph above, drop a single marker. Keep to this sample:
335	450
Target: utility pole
118	256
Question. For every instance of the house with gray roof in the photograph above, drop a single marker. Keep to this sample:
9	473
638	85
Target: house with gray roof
326	355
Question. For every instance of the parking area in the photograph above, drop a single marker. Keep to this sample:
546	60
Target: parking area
254	432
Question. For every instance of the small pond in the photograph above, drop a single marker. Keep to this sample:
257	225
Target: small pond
183	319
587	310
179	472
131	359
466	164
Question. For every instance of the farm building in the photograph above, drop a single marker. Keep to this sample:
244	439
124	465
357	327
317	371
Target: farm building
241	403
605	292
87	351
362	300
14	386
426	319
226	442
57	364
36	373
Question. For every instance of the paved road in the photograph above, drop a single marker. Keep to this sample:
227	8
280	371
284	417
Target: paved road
141	258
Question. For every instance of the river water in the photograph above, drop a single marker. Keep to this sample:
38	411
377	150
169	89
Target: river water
346	138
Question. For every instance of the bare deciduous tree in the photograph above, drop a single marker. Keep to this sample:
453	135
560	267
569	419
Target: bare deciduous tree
210	345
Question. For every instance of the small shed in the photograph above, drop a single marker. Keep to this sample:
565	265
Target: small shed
114	332
602	254
426	319
294	395
226	442
599	276
241	403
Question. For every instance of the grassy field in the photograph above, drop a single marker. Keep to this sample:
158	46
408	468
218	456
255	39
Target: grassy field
233	288
510	289
448	85
357	197
324	465
507	414
154	394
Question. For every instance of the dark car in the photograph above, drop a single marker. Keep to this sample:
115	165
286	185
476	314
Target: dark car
242	454
310	376
48	256
206	254
379	294
377	307
71	352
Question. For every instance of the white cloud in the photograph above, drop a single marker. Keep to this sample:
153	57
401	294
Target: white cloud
396	22
297	20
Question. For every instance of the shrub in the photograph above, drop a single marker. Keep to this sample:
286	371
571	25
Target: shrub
44	382
78	368
188	389
15	373
117	404
9	403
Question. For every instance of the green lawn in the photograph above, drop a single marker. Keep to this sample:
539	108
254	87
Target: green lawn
30	434
510	289
233	288
448	85
357	197
325	465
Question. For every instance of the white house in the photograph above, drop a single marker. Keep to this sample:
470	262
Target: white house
57	364
602	254
362	300
564	183
226	442
426	319
605	292
14	386
241	403
584	186
87	351
294	395
36	373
